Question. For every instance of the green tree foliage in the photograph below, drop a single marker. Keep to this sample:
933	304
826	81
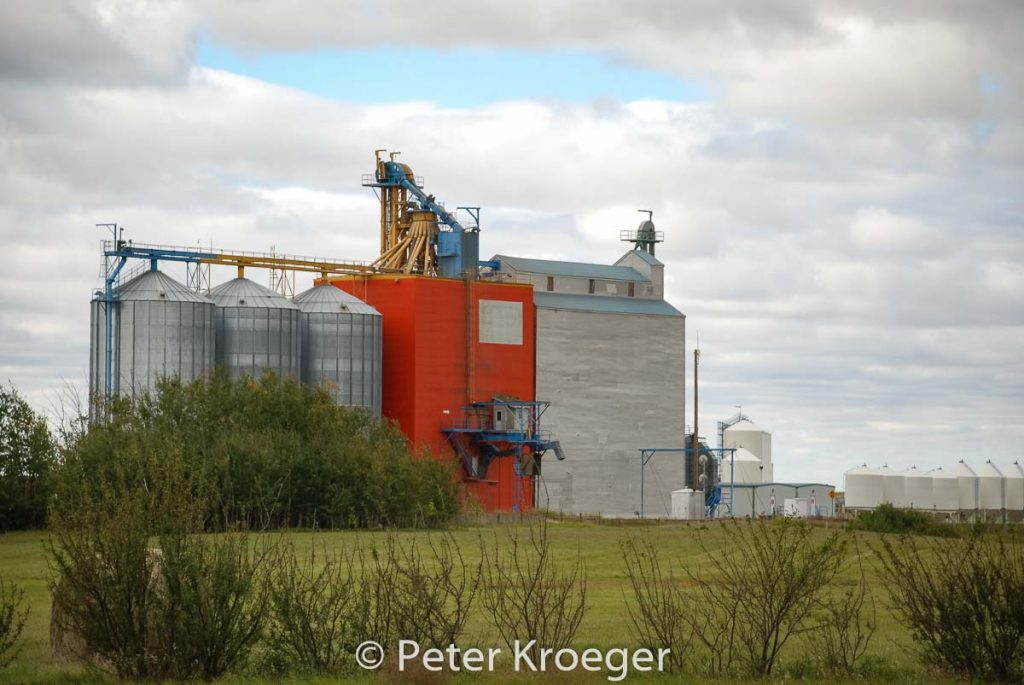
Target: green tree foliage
266	452
27	458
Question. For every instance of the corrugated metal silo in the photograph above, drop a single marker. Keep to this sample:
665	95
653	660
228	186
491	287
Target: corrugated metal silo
892	487
991	487
160	328
864	488
341	345
257	329
945	490
917	489
967	483
1015	487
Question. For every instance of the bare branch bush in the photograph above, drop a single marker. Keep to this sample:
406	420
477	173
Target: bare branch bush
12	621
433	592
528	595
764	585
962	600
319	611
847	622
658	612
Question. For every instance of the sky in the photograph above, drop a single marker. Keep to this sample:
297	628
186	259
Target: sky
839	184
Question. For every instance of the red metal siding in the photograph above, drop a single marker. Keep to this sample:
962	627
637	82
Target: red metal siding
434	363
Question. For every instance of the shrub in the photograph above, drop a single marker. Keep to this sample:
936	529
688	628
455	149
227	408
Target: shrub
963	601
528	596
433	592
12	620
658	614
885	518
847	622
764	586
266	452
28	456
319	611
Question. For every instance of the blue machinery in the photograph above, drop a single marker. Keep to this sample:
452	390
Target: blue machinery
411	237
503	428
717	500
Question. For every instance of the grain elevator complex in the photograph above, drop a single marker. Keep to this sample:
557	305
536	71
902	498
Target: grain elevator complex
551	384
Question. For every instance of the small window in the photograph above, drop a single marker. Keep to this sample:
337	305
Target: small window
593	286
632	289
551	283
499	416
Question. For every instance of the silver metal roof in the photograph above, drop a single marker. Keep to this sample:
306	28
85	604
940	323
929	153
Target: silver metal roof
157	286
241	292
549	267
604	303
644	255
326	299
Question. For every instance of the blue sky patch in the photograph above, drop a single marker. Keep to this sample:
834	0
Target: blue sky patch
463	77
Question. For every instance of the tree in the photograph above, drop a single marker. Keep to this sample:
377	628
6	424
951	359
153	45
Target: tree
28	455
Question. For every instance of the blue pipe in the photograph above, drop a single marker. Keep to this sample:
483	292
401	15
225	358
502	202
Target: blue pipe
108	350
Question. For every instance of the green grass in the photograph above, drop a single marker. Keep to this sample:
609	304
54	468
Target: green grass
23	561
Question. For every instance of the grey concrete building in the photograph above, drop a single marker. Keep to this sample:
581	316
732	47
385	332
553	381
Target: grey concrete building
611	360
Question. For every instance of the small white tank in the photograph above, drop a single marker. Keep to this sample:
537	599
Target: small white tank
864	488
967	482
745	433
917	489
945	490
991	487
1014	487
743	467
892	487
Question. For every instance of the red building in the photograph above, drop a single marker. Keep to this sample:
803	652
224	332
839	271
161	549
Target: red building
450	344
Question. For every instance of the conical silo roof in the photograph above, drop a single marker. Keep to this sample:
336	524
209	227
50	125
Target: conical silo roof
326	299
745	425
158	286
241	292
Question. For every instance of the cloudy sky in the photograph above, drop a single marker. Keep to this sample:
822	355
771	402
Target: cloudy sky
840	184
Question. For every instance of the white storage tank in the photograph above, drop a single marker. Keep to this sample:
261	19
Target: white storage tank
341	345
917	489
967	484
743	467
945	490
257	329
160	328
892	487
1014	487
864	488
744	433
687	504
991	487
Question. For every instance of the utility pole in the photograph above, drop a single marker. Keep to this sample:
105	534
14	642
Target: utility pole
696	443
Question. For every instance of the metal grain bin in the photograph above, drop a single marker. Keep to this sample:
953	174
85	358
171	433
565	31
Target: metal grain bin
160	328
257	329
341	345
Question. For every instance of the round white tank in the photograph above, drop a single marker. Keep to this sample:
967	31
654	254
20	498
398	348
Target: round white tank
967	482
1014	487
991	484
745	433
744	465
917	489
864	488
892	487
945	490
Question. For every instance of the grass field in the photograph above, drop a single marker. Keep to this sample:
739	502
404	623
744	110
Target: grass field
606	625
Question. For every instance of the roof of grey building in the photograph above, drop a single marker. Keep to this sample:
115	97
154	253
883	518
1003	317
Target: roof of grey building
644	255
326	299
550	267
604	303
